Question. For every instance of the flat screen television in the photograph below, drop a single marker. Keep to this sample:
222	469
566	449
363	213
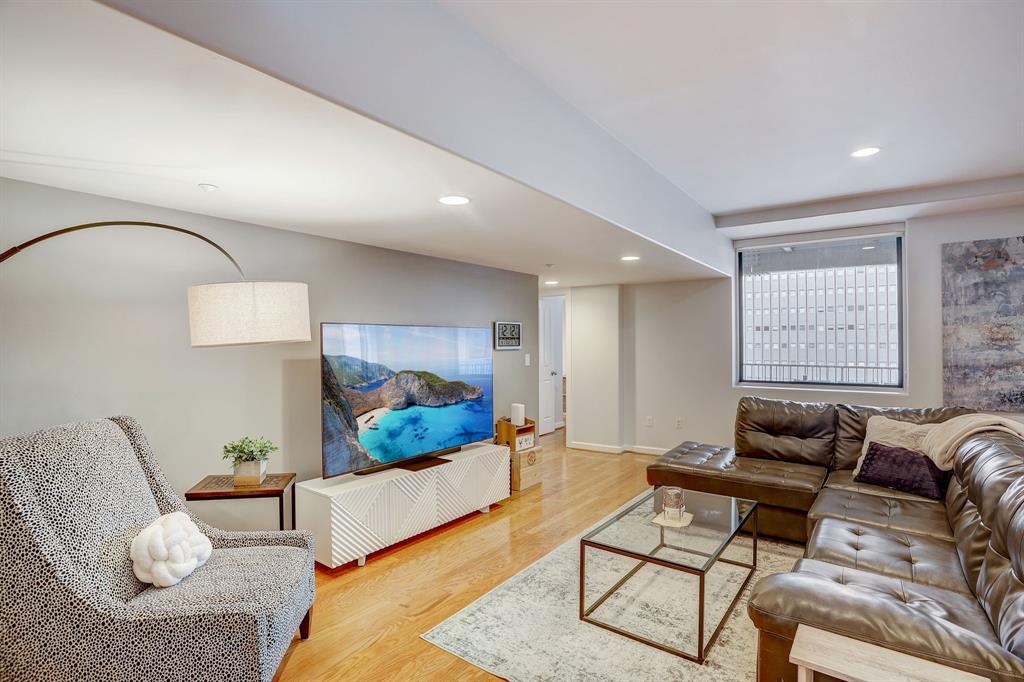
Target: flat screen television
395	393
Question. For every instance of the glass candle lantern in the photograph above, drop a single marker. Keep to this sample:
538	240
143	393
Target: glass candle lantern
673	501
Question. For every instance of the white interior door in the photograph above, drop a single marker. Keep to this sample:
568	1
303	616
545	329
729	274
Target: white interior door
546	411
551	319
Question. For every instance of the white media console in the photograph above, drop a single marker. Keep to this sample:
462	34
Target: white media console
353	515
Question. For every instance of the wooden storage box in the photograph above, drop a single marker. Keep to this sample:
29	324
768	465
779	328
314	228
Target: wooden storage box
526	469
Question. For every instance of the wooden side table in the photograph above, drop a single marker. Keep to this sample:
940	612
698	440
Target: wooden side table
222	487
816	650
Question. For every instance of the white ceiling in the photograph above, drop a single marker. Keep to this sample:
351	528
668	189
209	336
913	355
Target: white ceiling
753	104
99	102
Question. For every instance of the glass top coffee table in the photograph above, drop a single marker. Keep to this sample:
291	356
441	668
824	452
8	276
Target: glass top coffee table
644	575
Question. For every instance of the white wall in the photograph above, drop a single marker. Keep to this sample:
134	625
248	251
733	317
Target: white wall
683	355
594	420
95	324
680	365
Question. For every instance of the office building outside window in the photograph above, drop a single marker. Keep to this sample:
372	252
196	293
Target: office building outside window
828	313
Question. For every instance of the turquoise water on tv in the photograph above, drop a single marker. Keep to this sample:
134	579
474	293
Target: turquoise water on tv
416	430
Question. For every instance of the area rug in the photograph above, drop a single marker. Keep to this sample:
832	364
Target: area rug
528	628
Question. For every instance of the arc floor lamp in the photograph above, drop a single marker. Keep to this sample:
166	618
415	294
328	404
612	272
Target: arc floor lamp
225	313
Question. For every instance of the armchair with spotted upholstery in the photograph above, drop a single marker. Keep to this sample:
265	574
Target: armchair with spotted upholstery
72	497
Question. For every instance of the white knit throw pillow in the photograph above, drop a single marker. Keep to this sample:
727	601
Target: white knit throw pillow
169	549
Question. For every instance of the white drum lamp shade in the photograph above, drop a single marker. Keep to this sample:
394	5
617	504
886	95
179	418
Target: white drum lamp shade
238	313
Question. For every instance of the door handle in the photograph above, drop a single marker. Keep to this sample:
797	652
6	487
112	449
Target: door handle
554	373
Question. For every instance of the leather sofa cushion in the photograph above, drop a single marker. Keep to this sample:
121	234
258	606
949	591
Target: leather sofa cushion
911	516
1000	588
920	620
916	558
852	424
983	468
780	523
717	469
843	480
802	433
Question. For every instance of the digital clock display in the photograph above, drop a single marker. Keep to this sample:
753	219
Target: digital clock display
508	335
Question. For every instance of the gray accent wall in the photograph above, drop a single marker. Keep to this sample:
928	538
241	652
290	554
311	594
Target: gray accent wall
95	324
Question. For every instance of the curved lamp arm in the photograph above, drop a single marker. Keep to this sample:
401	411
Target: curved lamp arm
228	313
75	228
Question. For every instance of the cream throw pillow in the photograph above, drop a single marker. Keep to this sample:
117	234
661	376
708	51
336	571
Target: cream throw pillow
893	432
169	549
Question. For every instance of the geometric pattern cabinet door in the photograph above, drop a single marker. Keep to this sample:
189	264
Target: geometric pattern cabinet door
371	512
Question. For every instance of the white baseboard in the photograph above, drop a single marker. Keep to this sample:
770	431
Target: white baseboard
646	450
615	450
560	425
596	447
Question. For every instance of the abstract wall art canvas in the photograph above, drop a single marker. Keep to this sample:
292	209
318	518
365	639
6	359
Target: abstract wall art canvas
983	324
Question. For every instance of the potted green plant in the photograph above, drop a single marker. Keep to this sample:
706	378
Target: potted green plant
249	456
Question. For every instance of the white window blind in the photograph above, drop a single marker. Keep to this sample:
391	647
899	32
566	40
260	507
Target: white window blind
822	313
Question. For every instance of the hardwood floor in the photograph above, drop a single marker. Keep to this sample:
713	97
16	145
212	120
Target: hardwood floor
367	621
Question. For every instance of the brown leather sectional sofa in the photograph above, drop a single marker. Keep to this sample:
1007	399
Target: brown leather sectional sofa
941	580
787	454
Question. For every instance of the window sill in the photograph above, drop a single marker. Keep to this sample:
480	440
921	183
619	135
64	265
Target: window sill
824	388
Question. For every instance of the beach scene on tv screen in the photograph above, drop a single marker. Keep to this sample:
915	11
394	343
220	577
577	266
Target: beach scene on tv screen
391	392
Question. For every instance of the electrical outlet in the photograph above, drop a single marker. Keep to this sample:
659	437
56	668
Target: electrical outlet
526	359
679	422
650	420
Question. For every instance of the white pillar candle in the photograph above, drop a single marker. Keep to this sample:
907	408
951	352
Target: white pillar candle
518	414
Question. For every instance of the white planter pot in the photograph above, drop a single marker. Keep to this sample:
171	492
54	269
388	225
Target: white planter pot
250	473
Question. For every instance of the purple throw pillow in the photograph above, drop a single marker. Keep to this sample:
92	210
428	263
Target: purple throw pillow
904	470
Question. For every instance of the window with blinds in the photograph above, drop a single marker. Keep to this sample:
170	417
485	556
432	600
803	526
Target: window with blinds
822	313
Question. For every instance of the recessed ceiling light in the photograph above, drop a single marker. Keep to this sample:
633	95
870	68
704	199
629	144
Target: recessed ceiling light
551	281
627	258
787	249
207	187
865	151
454	200
866	248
